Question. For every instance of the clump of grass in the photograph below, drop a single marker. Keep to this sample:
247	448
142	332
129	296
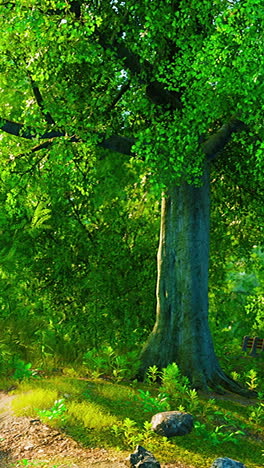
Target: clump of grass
7	383
26	404
91	415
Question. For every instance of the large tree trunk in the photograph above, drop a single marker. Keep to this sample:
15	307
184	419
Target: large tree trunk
181	333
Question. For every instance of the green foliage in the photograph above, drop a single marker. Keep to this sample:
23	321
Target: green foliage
153	404
252	380
29	463
22	370
5	355
131	433
33	463
79	223
257	414
217	436
173	381
175	391
56	413
153	374
107	361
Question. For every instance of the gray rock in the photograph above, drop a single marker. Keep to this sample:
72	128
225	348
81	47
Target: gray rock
227	463
172	423
142	458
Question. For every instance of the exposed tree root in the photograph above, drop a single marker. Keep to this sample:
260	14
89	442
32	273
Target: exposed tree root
227	383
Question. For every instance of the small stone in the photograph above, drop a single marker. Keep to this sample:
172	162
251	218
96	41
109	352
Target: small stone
29	447
142	458
226	462
172	423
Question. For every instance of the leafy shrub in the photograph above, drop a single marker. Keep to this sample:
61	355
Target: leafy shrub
106	361
131	434
22	370
153	374
173	380
56	413
153	404
218	435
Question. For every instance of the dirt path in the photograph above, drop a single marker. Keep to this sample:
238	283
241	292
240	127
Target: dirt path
29	439
23	438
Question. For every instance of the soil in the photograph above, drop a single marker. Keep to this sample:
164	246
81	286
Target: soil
23	438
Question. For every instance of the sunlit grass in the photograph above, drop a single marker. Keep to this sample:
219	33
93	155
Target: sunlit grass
26	404
91	415
94	406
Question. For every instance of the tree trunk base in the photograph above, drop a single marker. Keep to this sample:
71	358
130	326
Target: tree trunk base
217	380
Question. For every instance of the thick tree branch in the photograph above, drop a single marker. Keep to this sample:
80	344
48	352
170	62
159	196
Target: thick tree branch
40	102
155	90
116	143
216	142
17	129
211	147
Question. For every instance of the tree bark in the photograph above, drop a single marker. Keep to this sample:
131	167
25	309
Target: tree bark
181	333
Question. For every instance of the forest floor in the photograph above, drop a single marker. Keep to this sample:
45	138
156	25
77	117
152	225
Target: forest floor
28	442
23	438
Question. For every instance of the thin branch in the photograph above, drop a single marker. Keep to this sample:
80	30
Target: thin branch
78	218
119	96
47	144
31	168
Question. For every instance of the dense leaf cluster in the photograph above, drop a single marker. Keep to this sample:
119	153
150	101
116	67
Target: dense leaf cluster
164	84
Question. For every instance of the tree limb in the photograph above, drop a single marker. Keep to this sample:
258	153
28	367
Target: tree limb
115	143
155	90
216	142
40	102
118	144
211	147
18	129
47	144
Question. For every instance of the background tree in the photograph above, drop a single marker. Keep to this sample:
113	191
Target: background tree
171	83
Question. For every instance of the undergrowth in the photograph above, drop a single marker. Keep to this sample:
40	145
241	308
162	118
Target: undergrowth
116	415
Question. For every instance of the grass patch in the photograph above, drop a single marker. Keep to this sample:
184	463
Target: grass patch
26	404
91	415
6	384
110	415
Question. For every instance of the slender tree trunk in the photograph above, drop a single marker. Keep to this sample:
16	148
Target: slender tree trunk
181	333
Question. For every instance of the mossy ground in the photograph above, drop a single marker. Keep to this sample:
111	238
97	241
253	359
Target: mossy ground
94	407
